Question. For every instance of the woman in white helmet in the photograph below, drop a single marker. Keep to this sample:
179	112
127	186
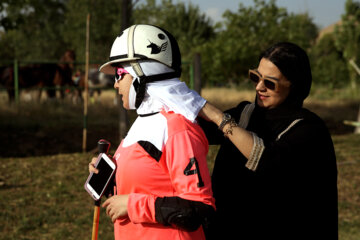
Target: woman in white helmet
163	187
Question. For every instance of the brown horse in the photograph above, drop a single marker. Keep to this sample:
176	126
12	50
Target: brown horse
49	76
96	81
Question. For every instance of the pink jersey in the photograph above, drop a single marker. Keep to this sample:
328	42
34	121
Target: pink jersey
163	155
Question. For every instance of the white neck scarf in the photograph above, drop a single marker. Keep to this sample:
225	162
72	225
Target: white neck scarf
169	95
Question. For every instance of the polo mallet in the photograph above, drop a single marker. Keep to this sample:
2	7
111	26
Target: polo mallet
103	147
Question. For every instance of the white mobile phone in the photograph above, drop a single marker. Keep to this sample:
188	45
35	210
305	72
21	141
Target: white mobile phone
96	184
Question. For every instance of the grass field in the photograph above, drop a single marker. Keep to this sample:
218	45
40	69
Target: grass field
42	169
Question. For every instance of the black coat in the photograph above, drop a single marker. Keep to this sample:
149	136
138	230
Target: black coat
292	194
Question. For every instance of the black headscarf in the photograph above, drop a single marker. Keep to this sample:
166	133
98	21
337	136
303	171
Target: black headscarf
293	63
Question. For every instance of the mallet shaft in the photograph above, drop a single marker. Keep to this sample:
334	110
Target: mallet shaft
103	147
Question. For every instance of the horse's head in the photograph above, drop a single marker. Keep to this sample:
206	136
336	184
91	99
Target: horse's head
68	59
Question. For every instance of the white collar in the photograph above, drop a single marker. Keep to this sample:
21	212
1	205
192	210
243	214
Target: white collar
169	95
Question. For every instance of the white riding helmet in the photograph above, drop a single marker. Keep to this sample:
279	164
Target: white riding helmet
144	42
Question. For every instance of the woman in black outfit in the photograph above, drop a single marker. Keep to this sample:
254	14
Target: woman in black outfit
275	175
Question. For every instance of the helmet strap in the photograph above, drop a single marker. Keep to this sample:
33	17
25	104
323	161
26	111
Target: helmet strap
137	68
140	85
140	88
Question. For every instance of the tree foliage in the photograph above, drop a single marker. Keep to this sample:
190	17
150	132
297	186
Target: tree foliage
105	25
247	32
328	64
39	29
348	37
32	29
190	27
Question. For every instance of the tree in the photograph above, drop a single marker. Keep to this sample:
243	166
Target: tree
348	41
328	64
37	29
105	25
185	22
348	38
190	28
246	33
300	29
32	29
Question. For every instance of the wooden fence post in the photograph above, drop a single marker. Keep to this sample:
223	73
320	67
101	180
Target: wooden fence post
86	85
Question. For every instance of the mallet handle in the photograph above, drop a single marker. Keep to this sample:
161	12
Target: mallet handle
103	147
95	227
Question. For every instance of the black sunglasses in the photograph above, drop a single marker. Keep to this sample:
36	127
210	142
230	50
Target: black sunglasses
269	83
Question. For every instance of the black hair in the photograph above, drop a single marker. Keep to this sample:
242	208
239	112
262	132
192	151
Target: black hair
293	63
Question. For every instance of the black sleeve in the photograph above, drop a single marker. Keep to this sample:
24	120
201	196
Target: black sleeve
184	214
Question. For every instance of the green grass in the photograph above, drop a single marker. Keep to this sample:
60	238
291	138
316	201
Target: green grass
348	158
44	198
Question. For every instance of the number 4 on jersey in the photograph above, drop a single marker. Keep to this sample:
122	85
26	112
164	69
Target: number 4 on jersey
188	171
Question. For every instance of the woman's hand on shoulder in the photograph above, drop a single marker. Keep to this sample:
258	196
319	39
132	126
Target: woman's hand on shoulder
211	113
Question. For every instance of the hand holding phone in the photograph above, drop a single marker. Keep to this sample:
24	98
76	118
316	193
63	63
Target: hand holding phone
96	184
92	167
